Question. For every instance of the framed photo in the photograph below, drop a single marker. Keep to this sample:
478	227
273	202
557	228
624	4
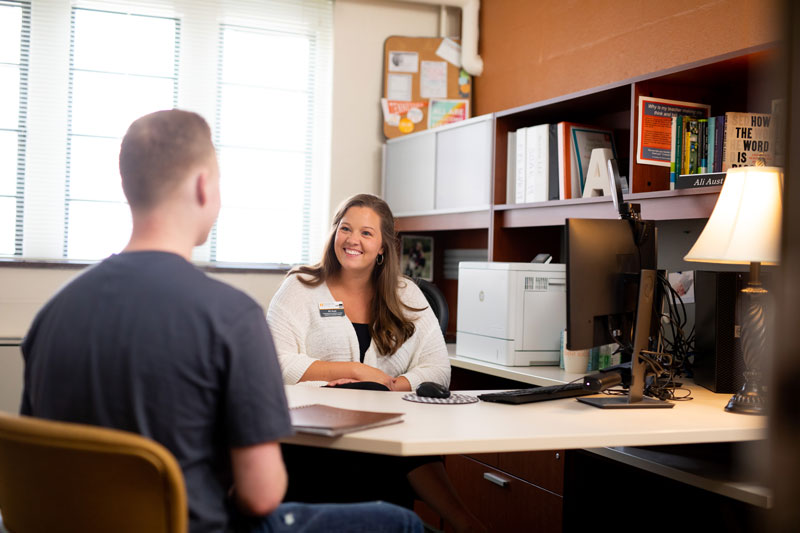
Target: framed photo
416	256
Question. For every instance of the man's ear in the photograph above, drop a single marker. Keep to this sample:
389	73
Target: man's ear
201	188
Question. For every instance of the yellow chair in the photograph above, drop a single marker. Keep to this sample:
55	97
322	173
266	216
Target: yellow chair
62	477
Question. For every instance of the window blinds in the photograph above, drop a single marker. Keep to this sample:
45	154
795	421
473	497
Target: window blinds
258	71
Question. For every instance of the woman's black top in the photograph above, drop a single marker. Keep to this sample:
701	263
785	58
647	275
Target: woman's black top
364	338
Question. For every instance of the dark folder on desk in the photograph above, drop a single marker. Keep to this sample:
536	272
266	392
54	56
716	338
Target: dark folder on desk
330	421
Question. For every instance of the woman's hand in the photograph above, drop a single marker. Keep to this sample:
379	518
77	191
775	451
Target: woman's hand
400	384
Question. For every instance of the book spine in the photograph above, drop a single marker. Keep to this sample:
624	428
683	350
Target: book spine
521	166
719	139
710	143
536	159
672	152
552	159
687	141
678	145
574	173
693	155
702	145
511	168
565	191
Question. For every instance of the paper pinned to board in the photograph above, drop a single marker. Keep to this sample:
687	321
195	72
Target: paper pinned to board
403	62
450	51
442	112
407	113
433	79
399	87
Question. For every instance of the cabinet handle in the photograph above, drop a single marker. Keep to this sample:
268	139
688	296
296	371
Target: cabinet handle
497	480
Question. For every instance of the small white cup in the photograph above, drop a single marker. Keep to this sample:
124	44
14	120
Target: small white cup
576	361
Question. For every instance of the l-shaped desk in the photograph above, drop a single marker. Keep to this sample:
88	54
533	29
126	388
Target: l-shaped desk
553	425
559	424
491	427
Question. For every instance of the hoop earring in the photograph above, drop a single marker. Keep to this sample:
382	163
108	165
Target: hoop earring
379	259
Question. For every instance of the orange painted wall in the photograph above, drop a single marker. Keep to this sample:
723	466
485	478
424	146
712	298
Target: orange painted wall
538	49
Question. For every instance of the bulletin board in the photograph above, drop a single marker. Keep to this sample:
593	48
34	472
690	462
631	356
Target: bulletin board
423	84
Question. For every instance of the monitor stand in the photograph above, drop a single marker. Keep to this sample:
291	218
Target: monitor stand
644	313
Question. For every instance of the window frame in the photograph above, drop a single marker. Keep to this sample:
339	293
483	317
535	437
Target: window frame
52	250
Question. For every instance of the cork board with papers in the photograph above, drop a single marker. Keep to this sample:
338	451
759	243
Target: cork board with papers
423	84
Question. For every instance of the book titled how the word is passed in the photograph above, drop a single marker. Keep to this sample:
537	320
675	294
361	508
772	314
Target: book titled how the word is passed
748	138
319	419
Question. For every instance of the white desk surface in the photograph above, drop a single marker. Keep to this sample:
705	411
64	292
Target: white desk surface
430	429
533	375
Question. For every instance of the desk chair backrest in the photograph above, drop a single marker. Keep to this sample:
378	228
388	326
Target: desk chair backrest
57	476
437	302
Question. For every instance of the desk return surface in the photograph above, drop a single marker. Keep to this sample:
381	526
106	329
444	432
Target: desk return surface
492	427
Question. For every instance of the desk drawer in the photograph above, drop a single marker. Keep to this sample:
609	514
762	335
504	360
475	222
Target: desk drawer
544	469
501	501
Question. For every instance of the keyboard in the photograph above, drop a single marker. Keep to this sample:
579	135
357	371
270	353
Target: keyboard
538	394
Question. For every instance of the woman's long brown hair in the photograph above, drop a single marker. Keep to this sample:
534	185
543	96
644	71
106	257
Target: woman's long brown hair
389	328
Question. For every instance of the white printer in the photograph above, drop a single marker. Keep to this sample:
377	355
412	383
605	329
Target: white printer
511	313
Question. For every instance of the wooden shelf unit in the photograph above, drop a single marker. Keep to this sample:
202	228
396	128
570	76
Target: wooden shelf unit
744	80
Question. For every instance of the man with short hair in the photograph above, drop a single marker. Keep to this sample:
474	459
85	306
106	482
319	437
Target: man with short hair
146	342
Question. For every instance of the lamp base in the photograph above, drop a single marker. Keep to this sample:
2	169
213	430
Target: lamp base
750	400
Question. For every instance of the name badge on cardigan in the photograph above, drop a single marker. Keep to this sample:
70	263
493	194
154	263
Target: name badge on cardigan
331	309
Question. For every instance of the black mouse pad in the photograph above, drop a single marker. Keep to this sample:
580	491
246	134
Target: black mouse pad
361	385
453	399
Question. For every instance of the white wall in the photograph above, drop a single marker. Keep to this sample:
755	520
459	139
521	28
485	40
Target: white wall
360	27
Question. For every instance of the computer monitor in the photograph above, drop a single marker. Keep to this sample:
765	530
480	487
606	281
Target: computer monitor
603	265
611	290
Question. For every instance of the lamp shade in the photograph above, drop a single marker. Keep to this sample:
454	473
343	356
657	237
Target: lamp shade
745	225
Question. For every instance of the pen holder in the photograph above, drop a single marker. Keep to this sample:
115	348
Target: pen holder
576	361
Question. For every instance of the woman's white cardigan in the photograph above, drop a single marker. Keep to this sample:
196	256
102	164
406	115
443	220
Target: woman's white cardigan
302	335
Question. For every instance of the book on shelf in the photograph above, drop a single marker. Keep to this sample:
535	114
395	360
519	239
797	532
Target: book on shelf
552	145
564	183
584	139
702	145
707	146
710	144
653	140
690	141
511	168
719	137
537	160
698	181
532	164
748	137
673	171
521	165
677	148
319	419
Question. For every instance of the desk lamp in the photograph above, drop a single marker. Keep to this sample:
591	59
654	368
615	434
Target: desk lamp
745	227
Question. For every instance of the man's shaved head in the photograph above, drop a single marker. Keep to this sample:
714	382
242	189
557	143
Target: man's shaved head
158	152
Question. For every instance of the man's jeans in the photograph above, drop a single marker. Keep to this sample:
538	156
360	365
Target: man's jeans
372	517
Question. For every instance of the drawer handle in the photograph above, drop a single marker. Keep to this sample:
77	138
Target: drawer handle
497	480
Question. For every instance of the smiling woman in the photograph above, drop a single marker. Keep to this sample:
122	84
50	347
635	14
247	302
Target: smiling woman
353	316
